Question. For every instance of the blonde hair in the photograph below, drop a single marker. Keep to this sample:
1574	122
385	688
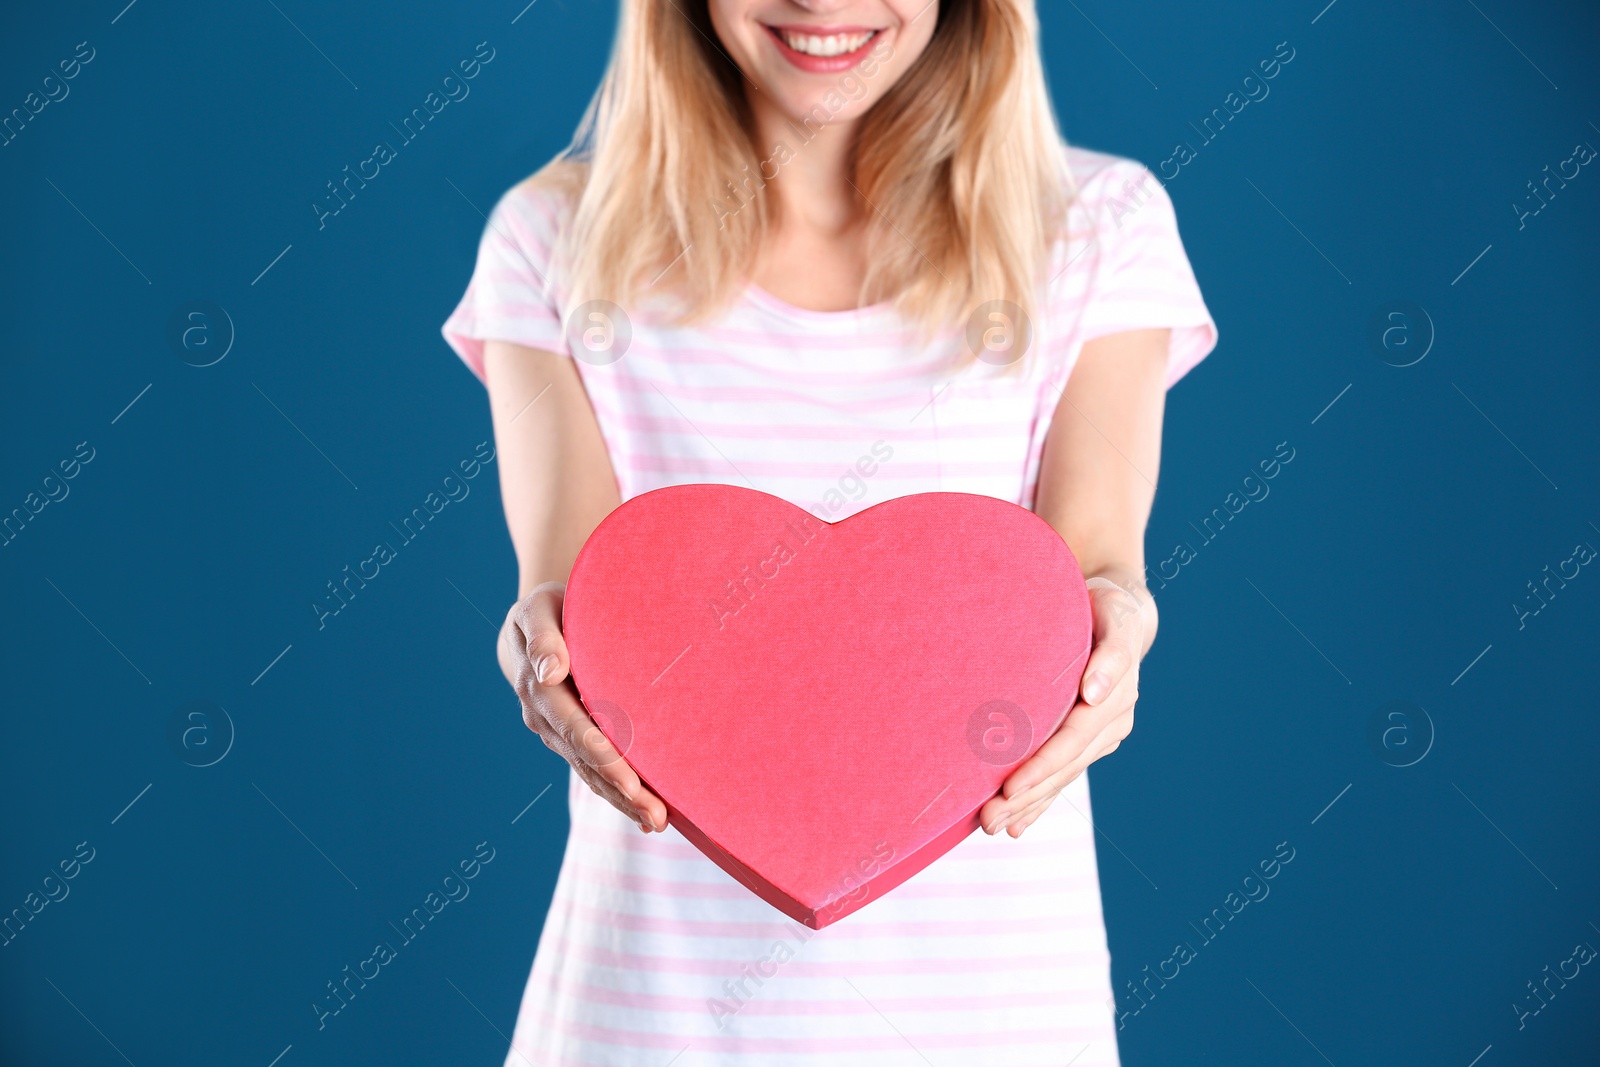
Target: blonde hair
960	165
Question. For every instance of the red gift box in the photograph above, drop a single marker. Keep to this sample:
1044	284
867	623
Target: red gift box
824	707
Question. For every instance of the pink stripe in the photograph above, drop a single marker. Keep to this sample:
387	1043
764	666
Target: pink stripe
966	1002
917	370
984	926
491	314
642	462
1148	300
968	872
626	378
569	952
523	1055
1056	1035
780	432
505	308
512	273
627	839
885	332
734	394
592	875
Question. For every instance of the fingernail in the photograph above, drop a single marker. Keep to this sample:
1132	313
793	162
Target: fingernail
1095	689
1000	824
545	668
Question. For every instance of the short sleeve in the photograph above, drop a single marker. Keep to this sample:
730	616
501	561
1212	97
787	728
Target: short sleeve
1131	271
511	297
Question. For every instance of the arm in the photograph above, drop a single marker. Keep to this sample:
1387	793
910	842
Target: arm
1096	485
557	484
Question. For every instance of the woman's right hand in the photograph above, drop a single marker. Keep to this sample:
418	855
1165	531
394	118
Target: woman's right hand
533	656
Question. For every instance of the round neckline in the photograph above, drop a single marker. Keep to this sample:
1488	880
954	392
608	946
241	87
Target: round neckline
756	294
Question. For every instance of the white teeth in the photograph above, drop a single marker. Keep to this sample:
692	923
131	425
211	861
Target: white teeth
836	45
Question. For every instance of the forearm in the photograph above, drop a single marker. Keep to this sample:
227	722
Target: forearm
1102	459
555	476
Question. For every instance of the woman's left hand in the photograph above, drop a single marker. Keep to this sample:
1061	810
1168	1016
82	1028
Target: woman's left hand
1097	723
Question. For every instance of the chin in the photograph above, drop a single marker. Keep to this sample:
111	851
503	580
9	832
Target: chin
814	108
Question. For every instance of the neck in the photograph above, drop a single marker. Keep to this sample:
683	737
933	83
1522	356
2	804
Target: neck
812	190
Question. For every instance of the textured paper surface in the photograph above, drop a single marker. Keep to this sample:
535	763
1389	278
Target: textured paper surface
824	708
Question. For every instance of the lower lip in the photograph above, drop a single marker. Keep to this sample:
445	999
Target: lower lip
823	64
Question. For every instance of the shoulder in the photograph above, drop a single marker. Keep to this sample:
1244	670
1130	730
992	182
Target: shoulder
1121	233
540	207
1098	180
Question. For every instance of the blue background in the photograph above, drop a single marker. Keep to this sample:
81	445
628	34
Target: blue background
1385	559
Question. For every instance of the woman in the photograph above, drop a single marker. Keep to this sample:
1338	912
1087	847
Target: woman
835	250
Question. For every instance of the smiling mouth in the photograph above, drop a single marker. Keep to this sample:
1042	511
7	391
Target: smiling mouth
824	49
833	45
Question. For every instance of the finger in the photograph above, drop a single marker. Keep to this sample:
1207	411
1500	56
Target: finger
1019	806
1014	820
1007	810
1065	746
1116	728
1082	725
1040	802
590	746
568	730
552	709
643	806
610	794
1110	662
1028	807
1001	812
993	816
1026	818
1016	809
597	751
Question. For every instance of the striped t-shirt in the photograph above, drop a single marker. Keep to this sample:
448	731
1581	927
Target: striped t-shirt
996	953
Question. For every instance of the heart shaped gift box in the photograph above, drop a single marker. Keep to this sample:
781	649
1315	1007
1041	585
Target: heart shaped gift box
824	707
